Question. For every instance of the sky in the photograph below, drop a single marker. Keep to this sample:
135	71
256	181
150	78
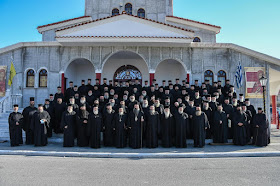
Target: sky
249	23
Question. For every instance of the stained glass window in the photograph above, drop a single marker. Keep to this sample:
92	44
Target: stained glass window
208	75
128	8
43	78
115	11
127	72
141	13
196	40
30	78
222	76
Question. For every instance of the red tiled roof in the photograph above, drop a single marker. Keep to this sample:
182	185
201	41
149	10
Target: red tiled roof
123	37
194	21
129	15
62	21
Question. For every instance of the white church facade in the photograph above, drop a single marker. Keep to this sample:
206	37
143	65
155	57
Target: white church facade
121	40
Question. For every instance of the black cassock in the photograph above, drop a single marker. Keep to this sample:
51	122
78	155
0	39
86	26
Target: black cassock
15	130
119	124
182	128
108	133
40	129
220	130
167	130
136	127
200	123
58	111
82	139
152	129
27	117
260	134
94	129
240	134
209	113
68	120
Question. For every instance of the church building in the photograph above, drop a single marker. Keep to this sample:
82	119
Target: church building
123	40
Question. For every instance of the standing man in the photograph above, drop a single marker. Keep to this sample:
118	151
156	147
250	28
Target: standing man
120	122
59	108
167	128
152	127
82	125
181	128
40	123
239	121
220	126
94	128
260	125
200	126
136	127
108	134
48	108
27	116
68	123
15	127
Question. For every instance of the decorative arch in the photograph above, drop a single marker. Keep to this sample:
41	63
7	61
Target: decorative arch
209	75
128	8
222	76
119	51
170	69
77	70
124	58
115	11
141	13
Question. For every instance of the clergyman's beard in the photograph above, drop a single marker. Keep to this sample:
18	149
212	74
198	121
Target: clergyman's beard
109	111
167	114
95	112
198	113
152	112
145	105
136	111
180	111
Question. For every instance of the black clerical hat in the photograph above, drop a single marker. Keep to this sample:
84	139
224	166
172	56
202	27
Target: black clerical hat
197	105
181	105
31	98
165	107
40	105
59	87
72	97
70	105
71	82
259	108
51	94
82	105
247	100
47	100
83	80
241	94
89	79
15	105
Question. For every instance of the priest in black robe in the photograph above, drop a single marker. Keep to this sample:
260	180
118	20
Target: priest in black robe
152	128
82	118
94	128
59	108
27	116
40	122
200	125
108	132
209	113
167	128
68	123
15	127
181	128
260	125
136	127
49	109
220	125
239	122
120	128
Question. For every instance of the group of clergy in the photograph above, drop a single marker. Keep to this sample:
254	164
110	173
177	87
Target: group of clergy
129	114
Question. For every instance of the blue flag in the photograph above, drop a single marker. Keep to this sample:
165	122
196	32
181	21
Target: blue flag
239	76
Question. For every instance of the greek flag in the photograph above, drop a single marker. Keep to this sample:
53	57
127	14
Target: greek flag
239	76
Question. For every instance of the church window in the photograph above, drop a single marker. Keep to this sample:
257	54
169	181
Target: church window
115	11
128	8
208	75
141	13
196	40
222	76
30	78
43	78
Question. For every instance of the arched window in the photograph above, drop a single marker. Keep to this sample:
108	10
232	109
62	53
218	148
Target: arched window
30	78
115	11
208	75
43	78
196	40
127	72
128	8
222	76
141	13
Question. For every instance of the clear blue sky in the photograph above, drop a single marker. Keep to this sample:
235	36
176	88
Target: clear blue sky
250	23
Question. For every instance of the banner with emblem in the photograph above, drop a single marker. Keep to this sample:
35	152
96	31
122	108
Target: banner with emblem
3	73
253	85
